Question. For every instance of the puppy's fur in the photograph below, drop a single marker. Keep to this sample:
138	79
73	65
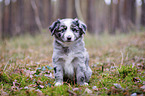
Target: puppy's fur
70	58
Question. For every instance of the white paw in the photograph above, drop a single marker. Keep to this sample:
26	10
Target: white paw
86	84
58	83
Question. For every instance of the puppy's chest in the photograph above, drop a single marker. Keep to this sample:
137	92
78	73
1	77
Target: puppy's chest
69	64
69	57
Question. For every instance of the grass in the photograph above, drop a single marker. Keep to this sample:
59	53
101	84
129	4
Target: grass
117	61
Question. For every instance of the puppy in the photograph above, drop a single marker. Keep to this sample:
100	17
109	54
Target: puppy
70	58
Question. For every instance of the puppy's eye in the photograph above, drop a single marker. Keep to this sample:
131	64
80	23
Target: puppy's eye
75	30
63	30
59	34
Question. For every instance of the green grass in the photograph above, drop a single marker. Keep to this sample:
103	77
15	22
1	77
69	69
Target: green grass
116	60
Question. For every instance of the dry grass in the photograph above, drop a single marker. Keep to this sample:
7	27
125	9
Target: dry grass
25	61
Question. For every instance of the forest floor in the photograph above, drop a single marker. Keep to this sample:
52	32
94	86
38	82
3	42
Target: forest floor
117	62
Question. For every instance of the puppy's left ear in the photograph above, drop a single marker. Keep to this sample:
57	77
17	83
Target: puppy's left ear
54	26
81	25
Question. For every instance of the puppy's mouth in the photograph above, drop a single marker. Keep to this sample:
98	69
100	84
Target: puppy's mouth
69	41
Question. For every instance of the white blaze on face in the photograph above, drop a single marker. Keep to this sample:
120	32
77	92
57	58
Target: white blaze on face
68	36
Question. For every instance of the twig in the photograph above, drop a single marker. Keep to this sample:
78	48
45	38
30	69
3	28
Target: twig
122	58
127	56
6	65
71	92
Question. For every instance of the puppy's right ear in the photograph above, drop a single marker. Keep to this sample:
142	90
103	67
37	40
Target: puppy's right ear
54	26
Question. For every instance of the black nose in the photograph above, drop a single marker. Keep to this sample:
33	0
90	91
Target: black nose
69	38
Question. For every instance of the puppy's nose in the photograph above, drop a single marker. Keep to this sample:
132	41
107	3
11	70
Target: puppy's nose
69	38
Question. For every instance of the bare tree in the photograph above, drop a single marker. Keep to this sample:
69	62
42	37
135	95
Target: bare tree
143	13
91	20
78	10
21	16
0	20
114	17
37	19
6	20
62	8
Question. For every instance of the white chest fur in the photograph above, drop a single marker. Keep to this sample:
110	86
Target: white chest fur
68	65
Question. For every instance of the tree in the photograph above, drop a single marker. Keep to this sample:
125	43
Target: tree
62	8
36	15
143	13
91	20
6	20
0	20
114	17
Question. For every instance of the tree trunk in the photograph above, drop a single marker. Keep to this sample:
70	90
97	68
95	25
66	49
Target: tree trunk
127	15
115	17
91	18
69	9
62	8
84	9
143	13
6	20
36	16
0	20
20	17
41	10
78	10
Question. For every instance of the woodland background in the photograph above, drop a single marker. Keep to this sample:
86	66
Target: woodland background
34	16
116	47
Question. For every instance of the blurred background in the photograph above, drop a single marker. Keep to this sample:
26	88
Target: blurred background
101	16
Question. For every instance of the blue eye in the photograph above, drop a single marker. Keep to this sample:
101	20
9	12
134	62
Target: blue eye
63	30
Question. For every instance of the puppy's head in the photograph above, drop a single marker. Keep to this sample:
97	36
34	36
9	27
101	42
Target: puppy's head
68	30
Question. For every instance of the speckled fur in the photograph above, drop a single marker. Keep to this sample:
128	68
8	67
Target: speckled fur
71	59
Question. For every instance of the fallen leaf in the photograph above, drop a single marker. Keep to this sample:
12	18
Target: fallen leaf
39	92
134	94
4	93
75	89
136	79
39	82
41	86
143	82
88	90
26	87
37	63
118	86
71	92
14	87
32	85
143	87
49	67
43	68
95	88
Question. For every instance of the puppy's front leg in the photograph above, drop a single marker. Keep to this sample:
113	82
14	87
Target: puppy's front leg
58	72
80	76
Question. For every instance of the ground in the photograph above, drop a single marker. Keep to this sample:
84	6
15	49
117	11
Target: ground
117	61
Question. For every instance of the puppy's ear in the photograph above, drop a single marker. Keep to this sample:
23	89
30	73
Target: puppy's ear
81	25
54	26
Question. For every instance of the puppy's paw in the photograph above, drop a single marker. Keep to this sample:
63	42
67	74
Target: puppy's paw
86	84
58	84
